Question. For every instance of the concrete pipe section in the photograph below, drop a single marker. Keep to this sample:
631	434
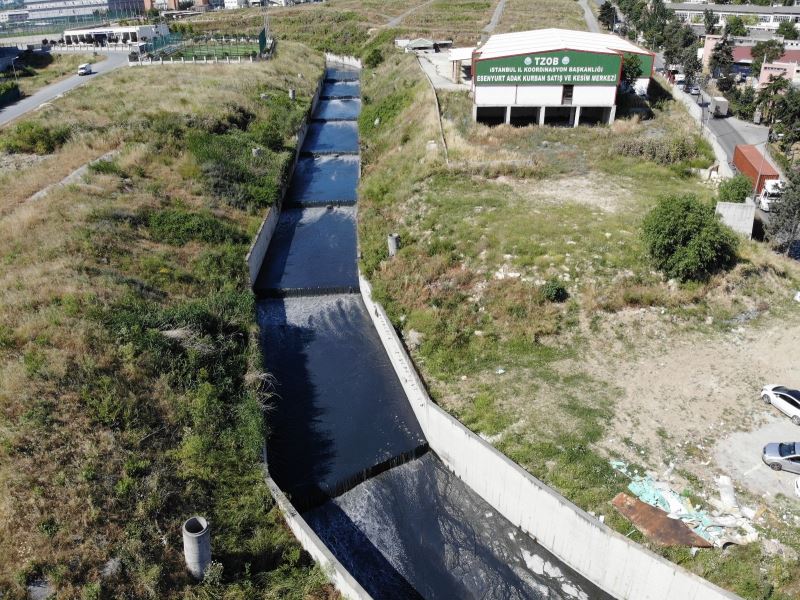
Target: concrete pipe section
344	444
197	546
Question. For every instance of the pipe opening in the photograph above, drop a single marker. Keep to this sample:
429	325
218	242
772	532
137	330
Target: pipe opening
195	526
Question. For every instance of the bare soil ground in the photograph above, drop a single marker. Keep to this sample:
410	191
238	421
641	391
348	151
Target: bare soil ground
680	395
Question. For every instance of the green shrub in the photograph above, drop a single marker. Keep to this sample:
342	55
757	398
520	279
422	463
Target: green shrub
107	167
735	189
686	240
554	291
33	138
373	58
176	227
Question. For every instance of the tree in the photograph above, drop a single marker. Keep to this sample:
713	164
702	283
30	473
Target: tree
766	51
784	221
721	61
677	39
709	20
787	30
734	26
735	189
631	69
685	239
691	66
607	15
769	94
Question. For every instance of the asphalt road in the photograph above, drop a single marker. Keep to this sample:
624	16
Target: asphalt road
731	131
113	60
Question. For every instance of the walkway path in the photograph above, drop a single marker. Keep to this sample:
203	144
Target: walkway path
399	18
51	92
588	15
496	16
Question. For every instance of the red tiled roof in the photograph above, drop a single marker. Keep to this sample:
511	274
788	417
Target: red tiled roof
743	54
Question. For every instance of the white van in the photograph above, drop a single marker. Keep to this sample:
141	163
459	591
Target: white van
85	69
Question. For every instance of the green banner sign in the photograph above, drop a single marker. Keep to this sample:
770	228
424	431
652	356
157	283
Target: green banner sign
550	68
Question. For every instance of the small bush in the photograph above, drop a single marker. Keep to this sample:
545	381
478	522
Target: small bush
373	58
107	167
554	291
735	189
33	138
686	240
176	227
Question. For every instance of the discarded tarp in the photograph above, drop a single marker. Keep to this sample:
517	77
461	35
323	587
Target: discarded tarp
656	524
726	525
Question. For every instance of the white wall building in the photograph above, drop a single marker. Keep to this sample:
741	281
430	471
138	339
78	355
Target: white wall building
116	34
13	16
53	9
757	17
551	76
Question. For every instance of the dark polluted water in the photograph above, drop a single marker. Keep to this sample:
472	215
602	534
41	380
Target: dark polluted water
344	443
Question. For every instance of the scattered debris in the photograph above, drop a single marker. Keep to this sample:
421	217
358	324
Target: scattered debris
773	547
797	297
500	371
111	569
727	524
414	339
656	524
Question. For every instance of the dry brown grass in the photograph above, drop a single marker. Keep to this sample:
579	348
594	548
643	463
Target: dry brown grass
61	516
522	15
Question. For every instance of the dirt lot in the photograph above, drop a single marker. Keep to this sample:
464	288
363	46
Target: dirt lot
680	396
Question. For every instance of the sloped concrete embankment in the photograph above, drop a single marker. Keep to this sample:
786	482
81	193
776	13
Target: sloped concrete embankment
619	566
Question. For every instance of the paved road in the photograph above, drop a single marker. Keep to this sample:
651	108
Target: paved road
731	132
50	92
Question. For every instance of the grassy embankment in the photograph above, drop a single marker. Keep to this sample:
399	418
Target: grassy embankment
130	377
522	15
480	241
34	71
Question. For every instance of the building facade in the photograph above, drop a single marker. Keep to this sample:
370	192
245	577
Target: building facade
754	16
552	76
59	9
115	34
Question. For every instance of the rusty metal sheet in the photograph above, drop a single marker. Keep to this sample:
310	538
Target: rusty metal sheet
656	524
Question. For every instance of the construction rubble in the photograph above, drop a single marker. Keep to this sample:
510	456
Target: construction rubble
727	523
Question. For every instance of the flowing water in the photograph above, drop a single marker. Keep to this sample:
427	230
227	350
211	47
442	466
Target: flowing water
344	444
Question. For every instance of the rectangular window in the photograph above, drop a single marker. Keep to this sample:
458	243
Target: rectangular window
566	94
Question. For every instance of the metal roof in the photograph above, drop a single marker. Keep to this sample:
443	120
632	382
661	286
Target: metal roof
548	40
750	9
461	53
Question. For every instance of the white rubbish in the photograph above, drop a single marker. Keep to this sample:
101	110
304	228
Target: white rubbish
797	487
797	297
727	494
500	371
668	473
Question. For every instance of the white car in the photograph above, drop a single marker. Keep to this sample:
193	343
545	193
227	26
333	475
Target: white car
85	69
784	399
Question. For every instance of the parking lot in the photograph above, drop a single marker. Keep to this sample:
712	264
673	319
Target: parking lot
739	455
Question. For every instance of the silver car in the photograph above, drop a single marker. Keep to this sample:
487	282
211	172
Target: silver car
784	456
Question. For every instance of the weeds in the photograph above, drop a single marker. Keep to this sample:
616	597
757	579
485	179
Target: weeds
30	137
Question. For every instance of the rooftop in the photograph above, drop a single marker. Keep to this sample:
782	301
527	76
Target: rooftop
546	40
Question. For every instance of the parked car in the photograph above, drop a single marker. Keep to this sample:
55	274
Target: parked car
694	90
85	69
784	399
783	456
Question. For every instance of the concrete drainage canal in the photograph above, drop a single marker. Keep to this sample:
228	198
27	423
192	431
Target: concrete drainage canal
345	446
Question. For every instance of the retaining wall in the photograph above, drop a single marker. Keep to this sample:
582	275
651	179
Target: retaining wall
697	114
258	249
622	568
309	540
348	61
